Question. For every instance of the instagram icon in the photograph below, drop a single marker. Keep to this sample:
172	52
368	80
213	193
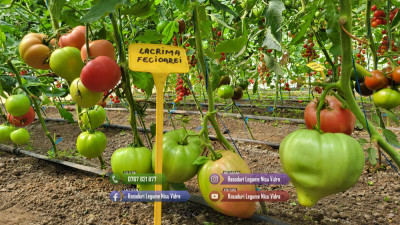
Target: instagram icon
214	178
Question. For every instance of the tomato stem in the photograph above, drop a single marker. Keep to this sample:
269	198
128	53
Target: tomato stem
344	82
321	103
35	104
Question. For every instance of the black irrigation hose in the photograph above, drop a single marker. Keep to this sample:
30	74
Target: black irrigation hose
197	199
212	137
235	115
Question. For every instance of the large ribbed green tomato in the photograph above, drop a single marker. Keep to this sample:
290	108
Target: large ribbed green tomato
66	63
82	96
229	161
320	164
387	98
18	105
91	145
131	159
93	118
5	132
179	155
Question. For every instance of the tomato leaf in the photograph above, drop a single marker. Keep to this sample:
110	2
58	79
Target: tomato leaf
219	6
304	27
391	137
152	130
395	22
143	81
65	114
272	64
372	155
391	116
182	4
201	160
270	41
168	32
217	73
149	36
362	141
8	83
232	45
204	22
55	7
102	8
255	86
274	18
178	186
216	17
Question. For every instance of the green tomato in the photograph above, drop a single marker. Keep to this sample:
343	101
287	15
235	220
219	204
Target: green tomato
67	63
93	118
225	91
131	159
387	98
320	164
82	96
229	161
18	105
161	26
178	155
20	136
248	4
5	132
91	145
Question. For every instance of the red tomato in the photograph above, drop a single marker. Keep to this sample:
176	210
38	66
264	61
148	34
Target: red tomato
76	38
376	81
21	121
333	118
396	74
101	74
98	48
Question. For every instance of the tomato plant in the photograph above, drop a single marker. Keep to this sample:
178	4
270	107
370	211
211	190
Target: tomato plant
334	118
387	98
93	118
228	162
20	136
66	63
99	48
76	38
131	160
101	74
34	51
18	105
320	164
225	91
83	96
21	121
376	81
91	145
179	153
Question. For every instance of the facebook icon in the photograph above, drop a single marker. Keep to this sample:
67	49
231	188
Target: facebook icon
115	196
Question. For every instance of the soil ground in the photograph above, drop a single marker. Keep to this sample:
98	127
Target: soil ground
36	192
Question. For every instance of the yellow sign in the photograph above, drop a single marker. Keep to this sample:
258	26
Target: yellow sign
316	66
155	58
159	60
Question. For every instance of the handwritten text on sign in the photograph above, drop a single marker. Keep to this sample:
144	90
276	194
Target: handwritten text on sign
316	66
157	58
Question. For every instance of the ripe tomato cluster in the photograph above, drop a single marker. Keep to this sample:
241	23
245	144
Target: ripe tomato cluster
192	61
287	88
318	89
262	68
112	98
181	90
384	46
310	51
380	16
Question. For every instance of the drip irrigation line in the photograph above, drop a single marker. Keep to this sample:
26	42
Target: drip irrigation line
212	137
197	199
